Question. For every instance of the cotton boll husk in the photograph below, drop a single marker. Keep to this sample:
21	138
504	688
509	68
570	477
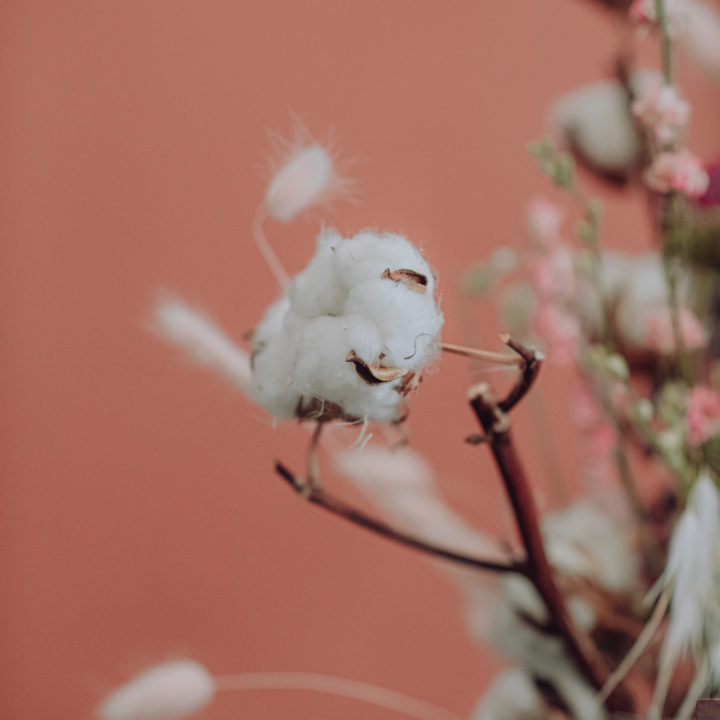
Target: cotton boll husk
367	255
203	340
596	119
300	183
174	689
512	696
408	321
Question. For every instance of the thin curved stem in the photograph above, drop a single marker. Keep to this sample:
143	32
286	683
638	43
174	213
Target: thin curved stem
338	507
269	255
333	685
486	355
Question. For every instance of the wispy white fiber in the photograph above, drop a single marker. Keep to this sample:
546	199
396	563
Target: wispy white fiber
174	689
693	574
202	339
354	331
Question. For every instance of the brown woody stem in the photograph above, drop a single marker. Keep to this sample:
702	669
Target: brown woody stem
494	419
347	512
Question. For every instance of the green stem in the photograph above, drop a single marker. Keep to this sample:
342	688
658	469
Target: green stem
665	42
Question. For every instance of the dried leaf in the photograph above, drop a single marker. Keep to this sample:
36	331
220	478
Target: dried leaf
415	281
374	373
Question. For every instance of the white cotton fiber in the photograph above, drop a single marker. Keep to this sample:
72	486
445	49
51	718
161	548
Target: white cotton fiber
357	326
174	689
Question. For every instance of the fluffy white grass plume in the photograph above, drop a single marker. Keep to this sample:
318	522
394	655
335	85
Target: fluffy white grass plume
353	334
305	175
400	484
693	574
174	689
595	121
202	339
512	696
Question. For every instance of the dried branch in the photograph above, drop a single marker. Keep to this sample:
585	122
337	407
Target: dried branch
495	422
338	507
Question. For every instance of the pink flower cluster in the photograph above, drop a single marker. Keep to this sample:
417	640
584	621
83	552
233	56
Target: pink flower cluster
553	276
661	110
680	171
703	414
659	331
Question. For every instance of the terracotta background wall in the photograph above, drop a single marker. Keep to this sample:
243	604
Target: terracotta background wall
139	516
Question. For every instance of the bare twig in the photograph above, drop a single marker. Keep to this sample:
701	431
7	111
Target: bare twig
494	419
486	355
347	512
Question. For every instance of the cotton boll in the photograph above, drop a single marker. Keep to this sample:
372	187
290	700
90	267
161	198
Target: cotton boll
408	321
272	378
341	343
172	690
203	340
317	290
597	122
300	183
512	696
367	255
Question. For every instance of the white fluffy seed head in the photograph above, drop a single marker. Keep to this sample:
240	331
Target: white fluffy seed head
303	181
351	337
174	689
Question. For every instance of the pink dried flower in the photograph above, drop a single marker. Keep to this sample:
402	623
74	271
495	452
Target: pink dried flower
553	274
561	331
703	414
661	109
544	220
659	331
679	170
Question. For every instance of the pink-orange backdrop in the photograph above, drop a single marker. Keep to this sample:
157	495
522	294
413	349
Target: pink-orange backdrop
140	518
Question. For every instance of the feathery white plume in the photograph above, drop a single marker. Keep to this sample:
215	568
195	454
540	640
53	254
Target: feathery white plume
305	175
202	339
174	689
400	483
352	335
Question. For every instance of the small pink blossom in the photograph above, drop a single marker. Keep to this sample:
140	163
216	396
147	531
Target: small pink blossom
703	414
661	109
679	170
561	331
553	274
544	220
659	331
